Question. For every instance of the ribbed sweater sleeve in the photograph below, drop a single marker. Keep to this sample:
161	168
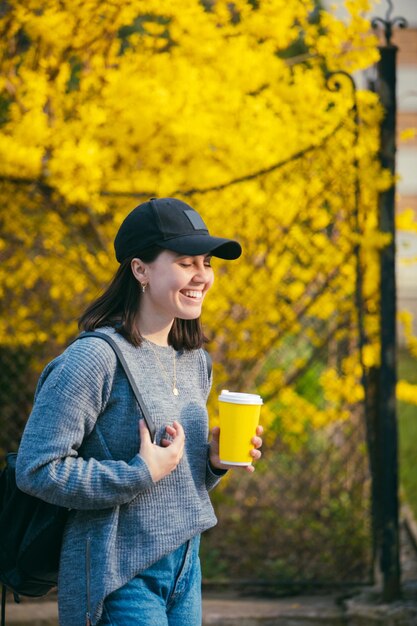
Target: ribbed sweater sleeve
72	392
213	475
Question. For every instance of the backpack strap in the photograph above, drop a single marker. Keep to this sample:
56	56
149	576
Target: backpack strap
209	363
148	420
3	604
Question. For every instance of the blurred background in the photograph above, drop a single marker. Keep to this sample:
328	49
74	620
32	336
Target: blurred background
266	117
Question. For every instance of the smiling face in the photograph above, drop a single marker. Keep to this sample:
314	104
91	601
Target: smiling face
175	286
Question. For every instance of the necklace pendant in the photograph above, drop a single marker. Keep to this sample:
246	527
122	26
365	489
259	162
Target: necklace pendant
175	391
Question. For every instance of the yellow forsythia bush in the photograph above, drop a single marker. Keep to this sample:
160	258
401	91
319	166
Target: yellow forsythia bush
227	105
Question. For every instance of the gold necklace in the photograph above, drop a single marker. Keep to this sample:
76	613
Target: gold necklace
165	373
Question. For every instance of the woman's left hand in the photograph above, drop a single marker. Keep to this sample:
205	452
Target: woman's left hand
214	450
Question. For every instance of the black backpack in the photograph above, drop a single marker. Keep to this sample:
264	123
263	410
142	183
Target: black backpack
30	529
30	540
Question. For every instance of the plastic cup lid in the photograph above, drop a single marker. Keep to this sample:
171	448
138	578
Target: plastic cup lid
236	397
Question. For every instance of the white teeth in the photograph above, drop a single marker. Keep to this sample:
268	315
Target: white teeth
193	294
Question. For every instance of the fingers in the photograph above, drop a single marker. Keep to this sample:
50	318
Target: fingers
176	434
176	426
257	440
161	461
257	443
175	431
256	454
214	440
171	432
178	443
143	431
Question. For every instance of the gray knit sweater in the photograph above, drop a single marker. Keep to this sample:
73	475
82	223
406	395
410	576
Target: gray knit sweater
80	450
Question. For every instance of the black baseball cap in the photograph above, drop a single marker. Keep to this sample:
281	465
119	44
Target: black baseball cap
172	225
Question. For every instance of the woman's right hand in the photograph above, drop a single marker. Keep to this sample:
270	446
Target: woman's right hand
161	461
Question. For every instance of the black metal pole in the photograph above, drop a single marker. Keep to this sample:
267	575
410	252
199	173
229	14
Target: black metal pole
390	562
387	437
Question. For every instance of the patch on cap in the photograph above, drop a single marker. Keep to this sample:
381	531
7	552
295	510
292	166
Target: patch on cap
195	219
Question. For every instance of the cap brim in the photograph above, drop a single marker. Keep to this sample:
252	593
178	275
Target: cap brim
204	244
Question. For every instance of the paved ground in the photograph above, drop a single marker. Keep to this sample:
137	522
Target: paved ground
217	612
361	609
364	610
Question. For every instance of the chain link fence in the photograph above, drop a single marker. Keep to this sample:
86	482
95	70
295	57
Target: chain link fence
302	520
306	518
19	370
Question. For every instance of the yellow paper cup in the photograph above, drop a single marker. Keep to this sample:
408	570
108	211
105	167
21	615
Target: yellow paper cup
239	417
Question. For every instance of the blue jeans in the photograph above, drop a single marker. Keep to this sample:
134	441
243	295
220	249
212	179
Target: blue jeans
168	593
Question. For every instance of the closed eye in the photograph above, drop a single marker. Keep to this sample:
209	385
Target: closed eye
187	263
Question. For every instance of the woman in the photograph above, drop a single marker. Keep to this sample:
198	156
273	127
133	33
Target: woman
130	548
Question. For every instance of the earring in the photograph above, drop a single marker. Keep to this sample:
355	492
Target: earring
143	285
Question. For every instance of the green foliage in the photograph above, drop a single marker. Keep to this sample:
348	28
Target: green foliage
407	425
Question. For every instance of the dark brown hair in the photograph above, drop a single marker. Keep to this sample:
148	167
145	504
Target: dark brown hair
118	306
